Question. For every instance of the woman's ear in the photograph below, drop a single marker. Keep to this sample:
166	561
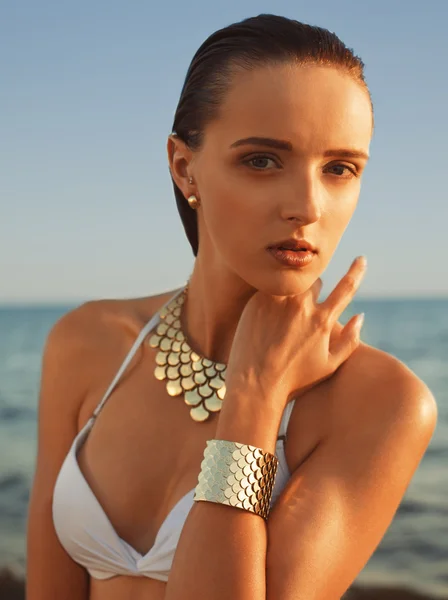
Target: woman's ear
179	158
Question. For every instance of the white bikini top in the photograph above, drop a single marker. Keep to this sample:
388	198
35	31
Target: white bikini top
84	529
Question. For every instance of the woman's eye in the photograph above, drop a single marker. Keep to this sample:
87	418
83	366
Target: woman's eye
261	162
352	172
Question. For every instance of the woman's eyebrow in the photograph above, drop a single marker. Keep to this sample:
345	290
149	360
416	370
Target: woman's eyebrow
347	153
284	145
262	141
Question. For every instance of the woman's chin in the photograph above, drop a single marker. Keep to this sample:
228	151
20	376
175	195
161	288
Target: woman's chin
287	283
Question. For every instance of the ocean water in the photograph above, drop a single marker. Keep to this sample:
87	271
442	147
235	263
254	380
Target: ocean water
414	550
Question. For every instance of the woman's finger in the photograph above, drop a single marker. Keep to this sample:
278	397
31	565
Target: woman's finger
342	344
343	293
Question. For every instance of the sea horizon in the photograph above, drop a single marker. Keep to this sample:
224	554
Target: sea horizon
68	303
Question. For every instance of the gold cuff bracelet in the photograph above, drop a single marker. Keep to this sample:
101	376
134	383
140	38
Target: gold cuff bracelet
238	475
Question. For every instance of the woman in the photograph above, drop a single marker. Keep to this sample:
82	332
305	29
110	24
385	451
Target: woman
269	144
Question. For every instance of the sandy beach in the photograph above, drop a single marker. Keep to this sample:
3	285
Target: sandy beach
12	588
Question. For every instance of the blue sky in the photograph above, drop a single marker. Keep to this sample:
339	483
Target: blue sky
87	98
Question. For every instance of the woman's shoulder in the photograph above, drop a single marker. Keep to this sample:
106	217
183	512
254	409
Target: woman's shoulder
87	341
95	322
371	366
371	389
371	401
81	332
383	390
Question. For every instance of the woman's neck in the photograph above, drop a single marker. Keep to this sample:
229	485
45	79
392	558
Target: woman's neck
212	309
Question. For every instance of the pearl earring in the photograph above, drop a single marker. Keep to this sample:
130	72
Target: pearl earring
193	201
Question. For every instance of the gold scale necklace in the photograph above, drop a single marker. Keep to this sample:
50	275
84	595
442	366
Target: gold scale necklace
201	380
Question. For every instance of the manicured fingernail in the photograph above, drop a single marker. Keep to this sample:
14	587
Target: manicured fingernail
360	320
362	260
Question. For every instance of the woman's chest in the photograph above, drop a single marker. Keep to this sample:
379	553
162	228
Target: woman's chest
142	456
144	452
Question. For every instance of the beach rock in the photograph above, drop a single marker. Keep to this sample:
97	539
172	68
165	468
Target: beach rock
383	593
11	586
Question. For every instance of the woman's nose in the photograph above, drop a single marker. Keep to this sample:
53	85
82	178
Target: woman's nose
302	203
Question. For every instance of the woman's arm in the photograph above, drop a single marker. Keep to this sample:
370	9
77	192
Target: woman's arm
340	502
221	552
333	512
51	573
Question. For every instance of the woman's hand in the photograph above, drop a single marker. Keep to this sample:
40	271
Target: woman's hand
286	343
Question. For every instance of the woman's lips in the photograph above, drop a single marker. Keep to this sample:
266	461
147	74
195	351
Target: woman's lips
293	244
292	258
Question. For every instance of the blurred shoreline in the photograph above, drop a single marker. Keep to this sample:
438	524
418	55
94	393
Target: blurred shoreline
12	587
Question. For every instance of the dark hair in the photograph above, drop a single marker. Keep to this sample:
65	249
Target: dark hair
251	43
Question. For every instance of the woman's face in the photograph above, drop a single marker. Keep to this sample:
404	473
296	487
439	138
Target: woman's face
255	193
